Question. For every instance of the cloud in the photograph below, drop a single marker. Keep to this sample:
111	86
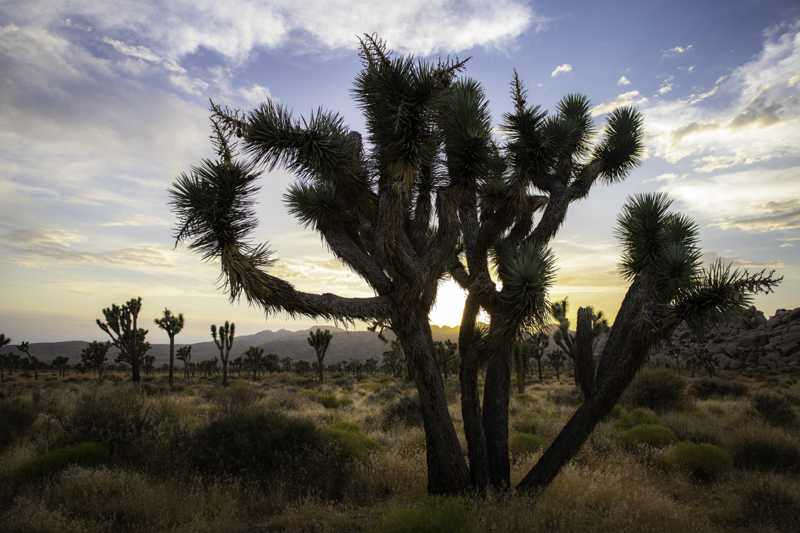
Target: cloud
749	116
623	80
255	94
748	200
561	69
623	99
237	27
678	50
665	88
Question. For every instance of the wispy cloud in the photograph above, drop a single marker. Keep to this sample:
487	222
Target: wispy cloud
623	99
561	69
623	80
678	50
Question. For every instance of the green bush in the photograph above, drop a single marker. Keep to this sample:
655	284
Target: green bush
522	443
58	459
774	408
652	435
767	451
403	412
636	417
269	447
434	515
707	387
15	419
329	400
658	389
113	416
704	462
352	439
527	425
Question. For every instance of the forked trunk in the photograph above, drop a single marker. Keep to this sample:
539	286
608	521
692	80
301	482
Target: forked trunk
447	469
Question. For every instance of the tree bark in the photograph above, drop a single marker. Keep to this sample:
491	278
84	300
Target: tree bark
496	394
447	469
171	358
320	369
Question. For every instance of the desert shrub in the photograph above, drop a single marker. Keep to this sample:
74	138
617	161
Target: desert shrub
774	408
636	417
330	400
707	387
267	447
385	394
528	424
767	501
234	399
570	397
704	462
434	515
522	443
765	450
652	435
46	432
402	412
658	389
352	439
15	419
54	461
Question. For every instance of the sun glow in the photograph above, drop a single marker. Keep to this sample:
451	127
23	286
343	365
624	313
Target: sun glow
449	304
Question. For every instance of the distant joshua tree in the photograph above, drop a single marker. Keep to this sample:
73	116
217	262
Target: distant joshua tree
446	354
5	358
121	325
94	357
253	358
556	359
33	362
565	339
185	355
60	363
172	325
319	340
224	344
148	364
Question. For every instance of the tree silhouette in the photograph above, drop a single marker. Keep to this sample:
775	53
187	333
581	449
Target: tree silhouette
94	357
33	362
224	344
121	325
253	358
172	325
60	363
5	358
184	354
319	340
399	209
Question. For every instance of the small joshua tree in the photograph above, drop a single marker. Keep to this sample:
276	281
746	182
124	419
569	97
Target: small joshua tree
534	344
172	325
253	359
60	364
5	358
319	340
148	364
185	355
95	357
556	359
224	344
446	354
33	362
121	325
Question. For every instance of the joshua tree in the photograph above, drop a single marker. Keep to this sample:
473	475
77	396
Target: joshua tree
446	354
532	345
563	337
319	340
556	359
398	209
224	344
95	356
302	367
172	325
60	364
121	325
5	358
33	362
185	354
662	260
286	364
148	364
253	358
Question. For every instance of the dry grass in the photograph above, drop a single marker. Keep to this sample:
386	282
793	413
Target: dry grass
610	487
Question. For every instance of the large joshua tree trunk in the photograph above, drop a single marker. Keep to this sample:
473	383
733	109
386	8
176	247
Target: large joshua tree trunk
447	470
171	359
496	394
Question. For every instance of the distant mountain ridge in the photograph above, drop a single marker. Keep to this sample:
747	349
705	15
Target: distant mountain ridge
345	345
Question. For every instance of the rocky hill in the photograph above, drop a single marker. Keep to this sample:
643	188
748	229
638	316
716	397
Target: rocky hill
748	340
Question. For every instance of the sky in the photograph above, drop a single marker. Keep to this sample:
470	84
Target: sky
104	102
